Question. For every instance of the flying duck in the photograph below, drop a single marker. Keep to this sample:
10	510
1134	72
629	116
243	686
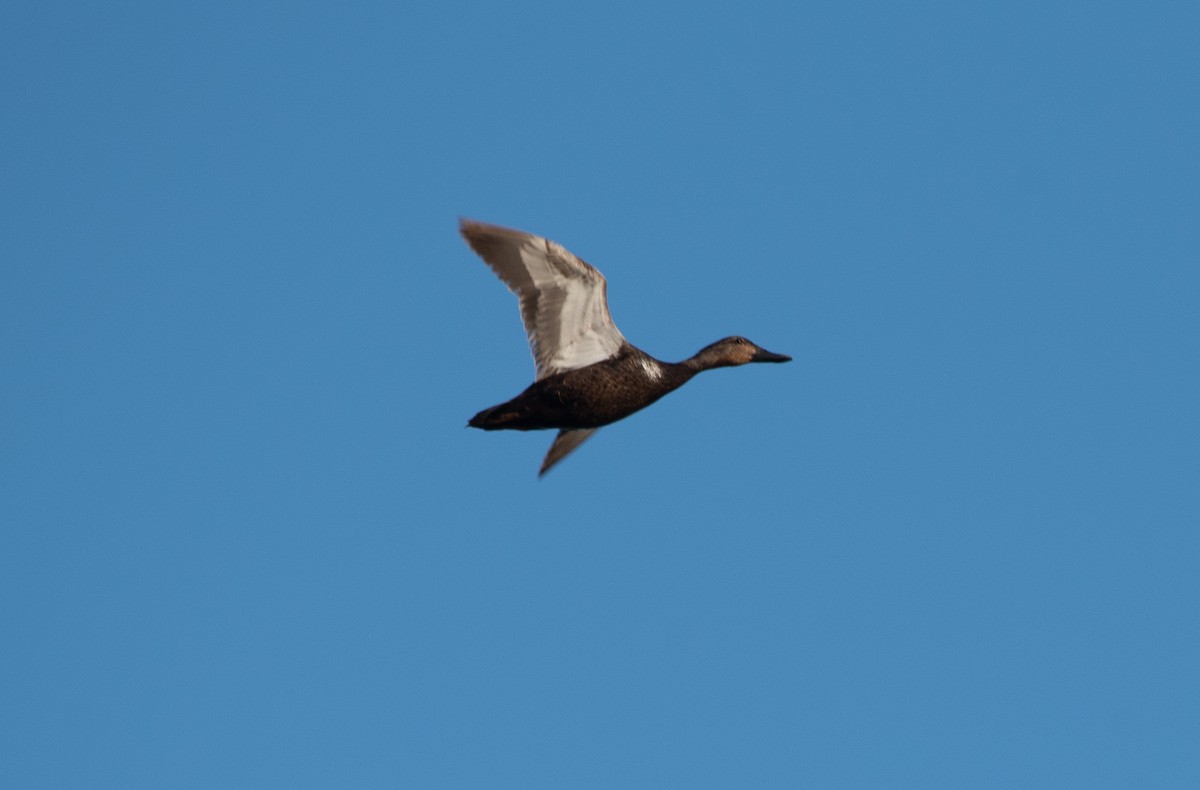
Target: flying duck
588	374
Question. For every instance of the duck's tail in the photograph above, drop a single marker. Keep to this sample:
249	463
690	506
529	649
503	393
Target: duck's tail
496	418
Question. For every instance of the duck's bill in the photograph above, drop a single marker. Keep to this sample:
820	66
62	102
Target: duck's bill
762	355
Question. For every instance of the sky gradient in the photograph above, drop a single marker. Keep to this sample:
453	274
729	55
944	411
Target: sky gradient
247	541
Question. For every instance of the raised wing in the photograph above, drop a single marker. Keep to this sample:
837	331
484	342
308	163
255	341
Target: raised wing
564	301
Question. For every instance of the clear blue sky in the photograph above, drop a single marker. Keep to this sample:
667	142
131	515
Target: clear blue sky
247	541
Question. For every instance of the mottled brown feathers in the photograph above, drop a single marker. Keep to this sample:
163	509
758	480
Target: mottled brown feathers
588	374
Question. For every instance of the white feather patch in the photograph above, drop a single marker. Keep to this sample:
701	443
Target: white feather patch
652	368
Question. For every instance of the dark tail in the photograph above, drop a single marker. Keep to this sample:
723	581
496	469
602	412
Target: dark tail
495	418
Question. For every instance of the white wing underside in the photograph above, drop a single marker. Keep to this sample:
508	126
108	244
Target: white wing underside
564	303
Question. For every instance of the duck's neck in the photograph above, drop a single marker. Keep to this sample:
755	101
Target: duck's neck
705	359
676	374
662	375
670	375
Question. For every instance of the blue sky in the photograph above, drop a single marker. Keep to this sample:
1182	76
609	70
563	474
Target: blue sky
248	542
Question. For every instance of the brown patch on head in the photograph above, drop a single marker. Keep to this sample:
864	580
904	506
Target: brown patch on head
727	352
737	350
744	353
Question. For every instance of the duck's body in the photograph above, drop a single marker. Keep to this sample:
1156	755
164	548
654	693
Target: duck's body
589	397
589	375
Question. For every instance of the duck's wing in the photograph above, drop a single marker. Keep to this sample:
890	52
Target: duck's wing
564	443
564	301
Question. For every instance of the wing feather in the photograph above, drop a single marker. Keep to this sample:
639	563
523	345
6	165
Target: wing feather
564	301
564	443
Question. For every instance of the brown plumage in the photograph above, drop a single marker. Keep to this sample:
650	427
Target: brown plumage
588	374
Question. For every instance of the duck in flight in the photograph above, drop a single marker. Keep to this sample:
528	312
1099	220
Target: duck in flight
588	374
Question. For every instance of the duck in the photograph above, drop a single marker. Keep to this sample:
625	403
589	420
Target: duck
587	374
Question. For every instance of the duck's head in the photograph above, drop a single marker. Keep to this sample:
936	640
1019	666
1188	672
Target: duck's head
734	350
